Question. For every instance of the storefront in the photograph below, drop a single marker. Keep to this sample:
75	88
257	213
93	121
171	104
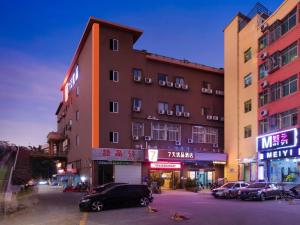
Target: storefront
279	156
117	165
172	168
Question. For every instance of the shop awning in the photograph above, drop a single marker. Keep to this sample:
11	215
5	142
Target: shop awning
221	157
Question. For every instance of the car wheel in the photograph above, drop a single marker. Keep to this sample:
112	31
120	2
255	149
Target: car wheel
144	202
262	197
97	206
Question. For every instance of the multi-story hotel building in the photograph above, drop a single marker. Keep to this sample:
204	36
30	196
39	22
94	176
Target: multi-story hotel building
261	94
128	115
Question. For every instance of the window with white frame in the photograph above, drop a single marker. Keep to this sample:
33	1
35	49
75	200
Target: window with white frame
174	132
207	135
162	106
137	129
137	103
113	107
114	137
179	108
114	75
114	44
248	80
159	131
137	74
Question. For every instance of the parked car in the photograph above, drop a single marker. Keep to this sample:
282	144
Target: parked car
229	190
117	196
291	191
261	191
103	187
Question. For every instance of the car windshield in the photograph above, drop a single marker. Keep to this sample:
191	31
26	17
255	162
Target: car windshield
228	185
257	185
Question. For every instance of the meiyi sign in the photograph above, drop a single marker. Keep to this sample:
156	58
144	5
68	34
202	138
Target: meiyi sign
278	140
280	153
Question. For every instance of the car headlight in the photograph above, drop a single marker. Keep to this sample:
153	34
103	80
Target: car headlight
85	200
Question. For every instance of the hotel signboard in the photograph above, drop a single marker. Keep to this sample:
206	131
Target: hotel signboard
113	154
154	155
278	140
280	153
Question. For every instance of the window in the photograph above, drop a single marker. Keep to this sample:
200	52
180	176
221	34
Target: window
207	135
137	129
206	84
114	75
174	132
263	42
288	118
247	55
159	131
77	91
288	22
204	111
248	80
274	122
289	54
179	108
263	70
114	137
274	61
137	74
275	92
247	106
77	115
263	98
77	139
162	77
289	86
263	126
137	103
275	31
179	80
114	44
247	131
113	107
162	106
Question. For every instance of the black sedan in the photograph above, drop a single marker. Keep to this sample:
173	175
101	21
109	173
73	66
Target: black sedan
117	196
261	191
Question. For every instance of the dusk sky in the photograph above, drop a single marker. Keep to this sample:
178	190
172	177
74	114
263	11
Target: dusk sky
38	40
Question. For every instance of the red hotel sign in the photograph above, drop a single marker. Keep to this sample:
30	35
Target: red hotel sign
113	154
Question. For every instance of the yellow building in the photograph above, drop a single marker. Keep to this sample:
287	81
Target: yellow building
241	102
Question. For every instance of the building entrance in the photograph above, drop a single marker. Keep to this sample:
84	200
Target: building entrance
166	179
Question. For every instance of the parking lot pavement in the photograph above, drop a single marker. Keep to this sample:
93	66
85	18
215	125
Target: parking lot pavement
57	208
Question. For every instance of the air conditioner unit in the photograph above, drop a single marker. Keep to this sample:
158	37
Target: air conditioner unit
162	83
263	55
190	141
264	27
178	113
185	87
264	84
135	138
147	138
209	91
186	114
148	80
170	112
169	84
215	145
219	92
161	111
177	143
215	118
209	117
221	118
204	90
137	78
264	112
136	109
177	85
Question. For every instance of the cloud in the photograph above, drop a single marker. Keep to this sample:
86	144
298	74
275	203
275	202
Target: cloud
29	96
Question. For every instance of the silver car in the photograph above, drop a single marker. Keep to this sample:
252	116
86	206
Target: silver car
229	190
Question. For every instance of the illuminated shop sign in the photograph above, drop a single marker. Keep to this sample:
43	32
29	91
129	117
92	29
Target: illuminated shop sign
180	155
113	154
71	82
152	155
278	140
165	165
280	153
